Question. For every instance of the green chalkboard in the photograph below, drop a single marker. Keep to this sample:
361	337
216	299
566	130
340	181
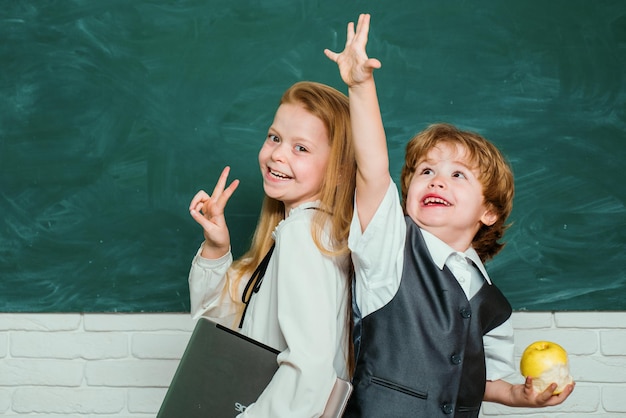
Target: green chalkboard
114	113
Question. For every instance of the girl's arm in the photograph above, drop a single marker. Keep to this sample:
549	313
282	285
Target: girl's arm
207	290
207	278
367	127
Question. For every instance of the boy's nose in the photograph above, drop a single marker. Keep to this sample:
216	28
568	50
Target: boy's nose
437	182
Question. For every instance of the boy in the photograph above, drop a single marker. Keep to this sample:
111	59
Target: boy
436	336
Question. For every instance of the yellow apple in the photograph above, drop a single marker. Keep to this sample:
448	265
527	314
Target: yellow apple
546	362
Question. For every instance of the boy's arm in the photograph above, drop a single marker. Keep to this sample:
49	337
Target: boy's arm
523	395
368	133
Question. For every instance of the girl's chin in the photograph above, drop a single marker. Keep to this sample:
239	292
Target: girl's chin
271	192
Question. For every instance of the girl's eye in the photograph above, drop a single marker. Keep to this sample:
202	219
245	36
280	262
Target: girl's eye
427	171
273	138
300	148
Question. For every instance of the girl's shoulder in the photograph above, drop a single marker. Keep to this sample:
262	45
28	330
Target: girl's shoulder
299	215
298	225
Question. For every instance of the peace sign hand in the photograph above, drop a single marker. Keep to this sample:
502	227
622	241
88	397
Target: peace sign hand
208	211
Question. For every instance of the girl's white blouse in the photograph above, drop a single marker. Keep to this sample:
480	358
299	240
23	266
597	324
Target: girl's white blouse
301	310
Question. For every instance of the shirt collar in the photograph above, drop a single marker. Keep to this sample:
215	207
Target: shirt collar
440	251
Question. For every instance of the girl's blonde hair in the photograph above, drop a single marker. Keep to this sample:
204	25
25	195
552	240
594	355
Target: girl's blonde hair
495	175
337	188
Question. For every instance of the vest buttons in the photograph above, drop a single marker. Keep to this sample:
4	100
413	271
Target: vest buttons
466	312
447	408
455	359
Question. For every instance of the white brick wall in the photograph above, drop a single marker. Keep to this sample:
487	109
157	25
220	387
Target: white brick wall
119	365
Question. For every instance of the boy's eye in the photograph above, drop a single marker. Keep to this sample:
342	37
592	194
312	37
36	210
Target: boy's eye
458	174
427	171
300	148
273	138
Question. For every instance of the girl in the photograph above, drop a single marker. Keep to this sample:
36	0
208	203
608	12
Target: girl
301	306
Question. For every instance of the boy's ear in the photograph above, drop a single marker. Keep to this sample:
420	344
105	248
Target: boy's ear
489	217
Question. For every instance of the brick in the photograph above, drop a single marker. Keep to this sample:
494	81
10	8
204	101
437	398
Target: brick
69	401
5	400
598	369
159	346
69	345
575	342
40	322
54	415
613	398
130	373
4	344
532	320
596	320
146	401
78	360
19	372
613	343
143	322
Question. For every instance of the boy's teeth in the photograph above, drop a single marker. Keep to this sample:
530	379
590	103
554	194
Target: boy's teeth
437	200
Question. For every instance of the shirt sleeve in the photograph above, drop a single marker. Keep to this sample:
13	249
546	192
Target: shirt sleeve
207	289
499	351
311	297
378	253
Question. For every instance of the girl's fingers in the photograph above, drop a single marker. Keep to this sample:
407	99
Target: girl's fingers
220	204
221	183
214	204
198	200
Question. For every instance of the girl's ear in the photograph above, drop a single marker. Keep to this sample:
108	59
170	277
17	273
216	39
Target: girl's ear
489	217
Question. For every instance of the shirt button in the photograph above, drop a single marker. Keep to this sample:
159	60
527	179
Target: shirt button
447	408
455	359
466	313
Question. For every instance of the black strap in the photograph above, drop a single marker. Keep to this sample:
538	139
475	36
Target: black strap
257	279
255	282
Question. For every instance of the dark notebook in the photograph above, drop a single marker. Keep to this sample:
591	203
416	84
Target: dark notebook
222	372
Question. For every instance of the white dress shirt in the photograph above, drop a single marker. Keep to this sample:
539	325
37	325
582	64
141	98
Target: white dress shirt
378	255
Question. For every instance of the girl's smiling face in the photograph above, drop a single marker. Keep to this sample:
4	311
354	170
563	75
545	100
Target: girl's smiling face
445	196
294	157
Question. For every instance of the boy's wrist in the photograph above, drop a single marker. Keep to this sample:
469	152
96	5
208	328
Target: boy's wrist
365	84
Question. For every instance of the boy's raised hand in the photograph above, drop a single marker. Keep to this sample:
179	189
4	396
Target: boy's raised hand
354	65
208	211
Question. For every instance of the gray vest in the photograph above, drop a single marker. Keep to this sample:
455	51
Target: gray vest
422	355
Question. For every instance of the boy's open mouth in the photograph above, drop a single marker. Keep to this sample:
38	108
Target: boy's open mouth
431	201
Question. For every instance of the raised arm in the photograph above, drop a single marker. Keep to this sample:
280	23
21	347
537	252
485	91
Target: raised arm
357	71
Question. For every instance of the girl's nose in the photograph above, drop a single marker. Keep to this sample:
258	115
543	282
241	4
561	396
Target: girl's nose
278	153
